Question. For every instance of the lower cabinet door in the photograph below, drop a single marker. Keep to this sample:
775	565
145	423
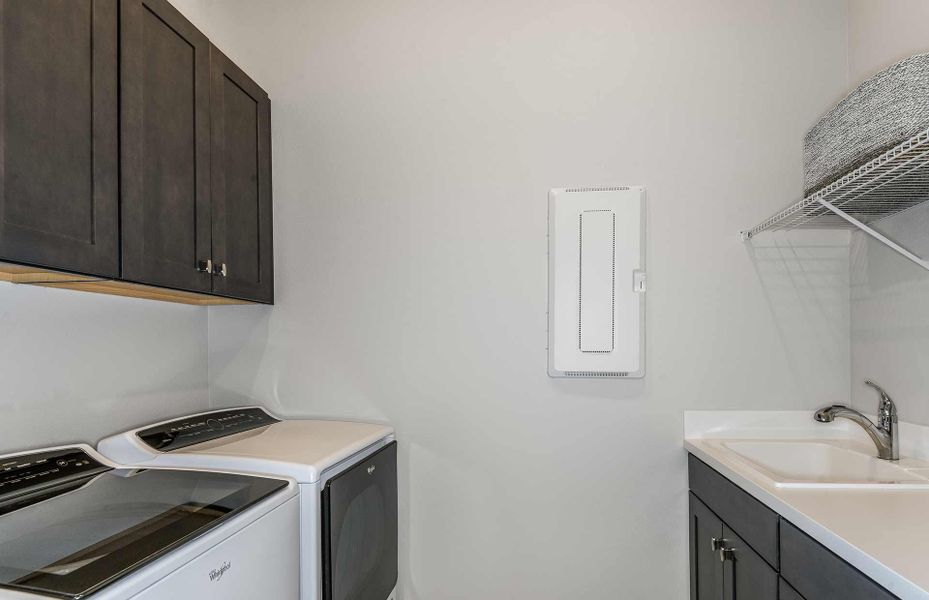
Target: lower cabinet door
746	576
786	592
706	569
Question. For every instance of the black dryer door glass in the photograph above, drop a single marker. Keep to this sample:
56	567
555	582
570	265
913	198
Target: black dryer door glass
359	527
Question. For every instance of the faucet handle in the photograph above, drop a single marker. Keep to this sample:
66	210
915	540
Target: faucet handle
877	388
886	409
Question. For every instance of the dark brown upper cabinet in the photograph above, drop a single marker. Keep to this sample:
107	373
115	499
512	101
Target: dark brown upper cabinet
241	173
165	149
59	146
135	158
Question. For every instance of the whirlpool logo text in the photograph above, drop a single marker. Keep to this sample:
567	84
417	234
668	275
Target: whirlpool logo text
217	574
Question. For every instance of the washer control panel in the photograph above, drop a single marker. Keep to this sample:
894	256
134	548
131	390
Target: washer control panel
27	473
188	431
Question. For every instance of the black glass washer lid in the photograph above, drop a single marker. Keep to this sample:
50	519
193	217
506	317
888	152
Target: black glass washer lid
74	539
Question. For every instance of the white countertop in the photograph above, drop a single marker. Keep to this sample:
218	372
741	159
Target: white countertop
883	533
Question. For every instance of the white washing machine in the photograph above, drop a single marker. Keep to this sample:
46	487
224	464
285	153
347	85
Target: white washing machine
73	526
347	475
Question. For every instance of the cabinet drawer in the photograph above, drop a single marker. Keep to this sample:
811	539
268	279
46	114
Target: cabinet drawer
818	574
750	519
785	592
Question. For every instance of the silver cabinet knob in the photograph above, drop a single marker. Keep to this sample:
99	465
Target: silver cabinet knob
220	270
719	545
205	266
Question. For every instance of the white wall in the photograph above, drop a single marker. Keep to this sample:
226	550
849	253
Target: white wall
414	144
890	295
79	366
883	33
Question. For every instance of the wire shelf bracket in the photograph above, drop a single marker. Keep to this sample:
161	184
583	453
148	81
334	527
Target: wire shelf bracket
878	236
895	181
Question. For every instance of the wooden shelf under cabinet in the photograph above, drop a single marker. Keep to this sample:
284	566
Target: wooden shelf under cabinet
24	275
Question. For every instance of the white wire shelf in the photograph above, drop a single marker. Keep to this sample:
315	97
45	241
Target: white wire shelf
891	183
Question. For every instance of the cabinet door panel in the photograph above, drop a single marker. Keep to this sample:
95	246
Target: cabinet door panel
786	592
59	134
165	147
241	183
746	575
706	570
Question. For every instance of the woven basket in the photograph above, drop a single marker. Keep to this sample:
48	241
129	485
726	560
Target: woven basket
879	114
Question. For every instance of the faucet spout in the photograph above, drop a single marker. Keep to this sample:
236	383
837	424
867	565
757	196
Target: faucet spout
884	434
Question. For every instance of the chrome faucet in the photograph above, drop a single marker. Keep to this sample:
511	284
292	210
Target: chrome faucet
884	434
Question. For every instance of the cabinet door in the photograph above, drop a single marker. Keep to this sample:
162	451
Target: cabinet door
786	592
165	152
706	569
746	576
241	162
59	134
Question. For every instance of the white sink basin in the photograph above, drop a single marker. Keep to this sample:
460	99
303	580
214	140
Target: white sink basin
821	464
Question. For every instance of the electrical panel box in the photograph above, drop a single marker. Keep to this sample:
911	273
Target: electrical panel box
596	282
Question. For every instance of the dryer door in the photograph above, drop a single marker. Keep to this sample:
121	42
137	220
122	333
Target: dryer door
359	529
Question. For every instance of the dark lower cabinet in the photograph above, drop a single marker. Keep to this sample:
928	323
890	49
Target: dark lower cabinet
165	161
786	592
241	188
741	550
59	144
746	576
755	522
816	573
722	565
706	569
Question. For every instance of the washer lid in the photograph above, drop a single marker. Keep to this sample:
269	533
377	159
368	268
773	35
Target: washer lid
72	539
